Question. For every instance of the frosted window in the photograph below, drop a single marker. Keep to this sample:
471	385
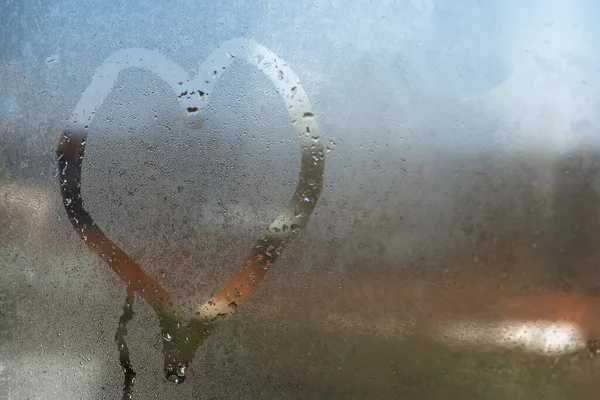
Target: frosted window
299	200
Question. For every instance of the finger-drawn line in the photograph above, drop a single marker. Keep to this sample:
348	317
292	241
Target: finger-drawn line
181	342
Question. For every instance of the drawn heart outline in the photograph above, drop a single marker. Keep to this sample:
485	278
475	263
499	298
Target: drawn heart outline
181	343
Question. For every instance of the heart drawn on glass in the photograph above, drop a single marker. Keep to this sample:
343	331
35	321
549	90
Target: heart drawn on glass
182	340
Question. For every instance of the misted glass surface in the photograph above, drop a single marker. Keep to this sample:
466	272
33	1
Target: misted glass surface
300	200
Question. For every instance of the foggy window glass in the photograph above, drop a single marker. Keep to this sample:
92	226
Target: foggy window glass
299	200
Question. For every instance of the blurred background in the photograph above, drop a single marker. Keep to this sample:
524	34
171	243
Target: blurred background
452	253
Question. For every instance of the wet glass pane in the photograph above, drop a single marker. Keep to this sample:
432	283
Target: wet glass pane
297	200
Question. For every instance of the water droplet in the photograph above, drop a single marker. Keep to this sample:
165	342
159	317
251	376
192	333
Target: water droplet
330	146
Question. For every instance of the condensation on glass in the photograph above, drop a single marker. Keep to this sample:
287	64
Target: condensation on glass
442	162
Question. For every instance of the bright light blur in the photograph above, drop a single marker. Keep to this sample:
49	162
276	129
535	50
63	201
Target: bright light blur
539	337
